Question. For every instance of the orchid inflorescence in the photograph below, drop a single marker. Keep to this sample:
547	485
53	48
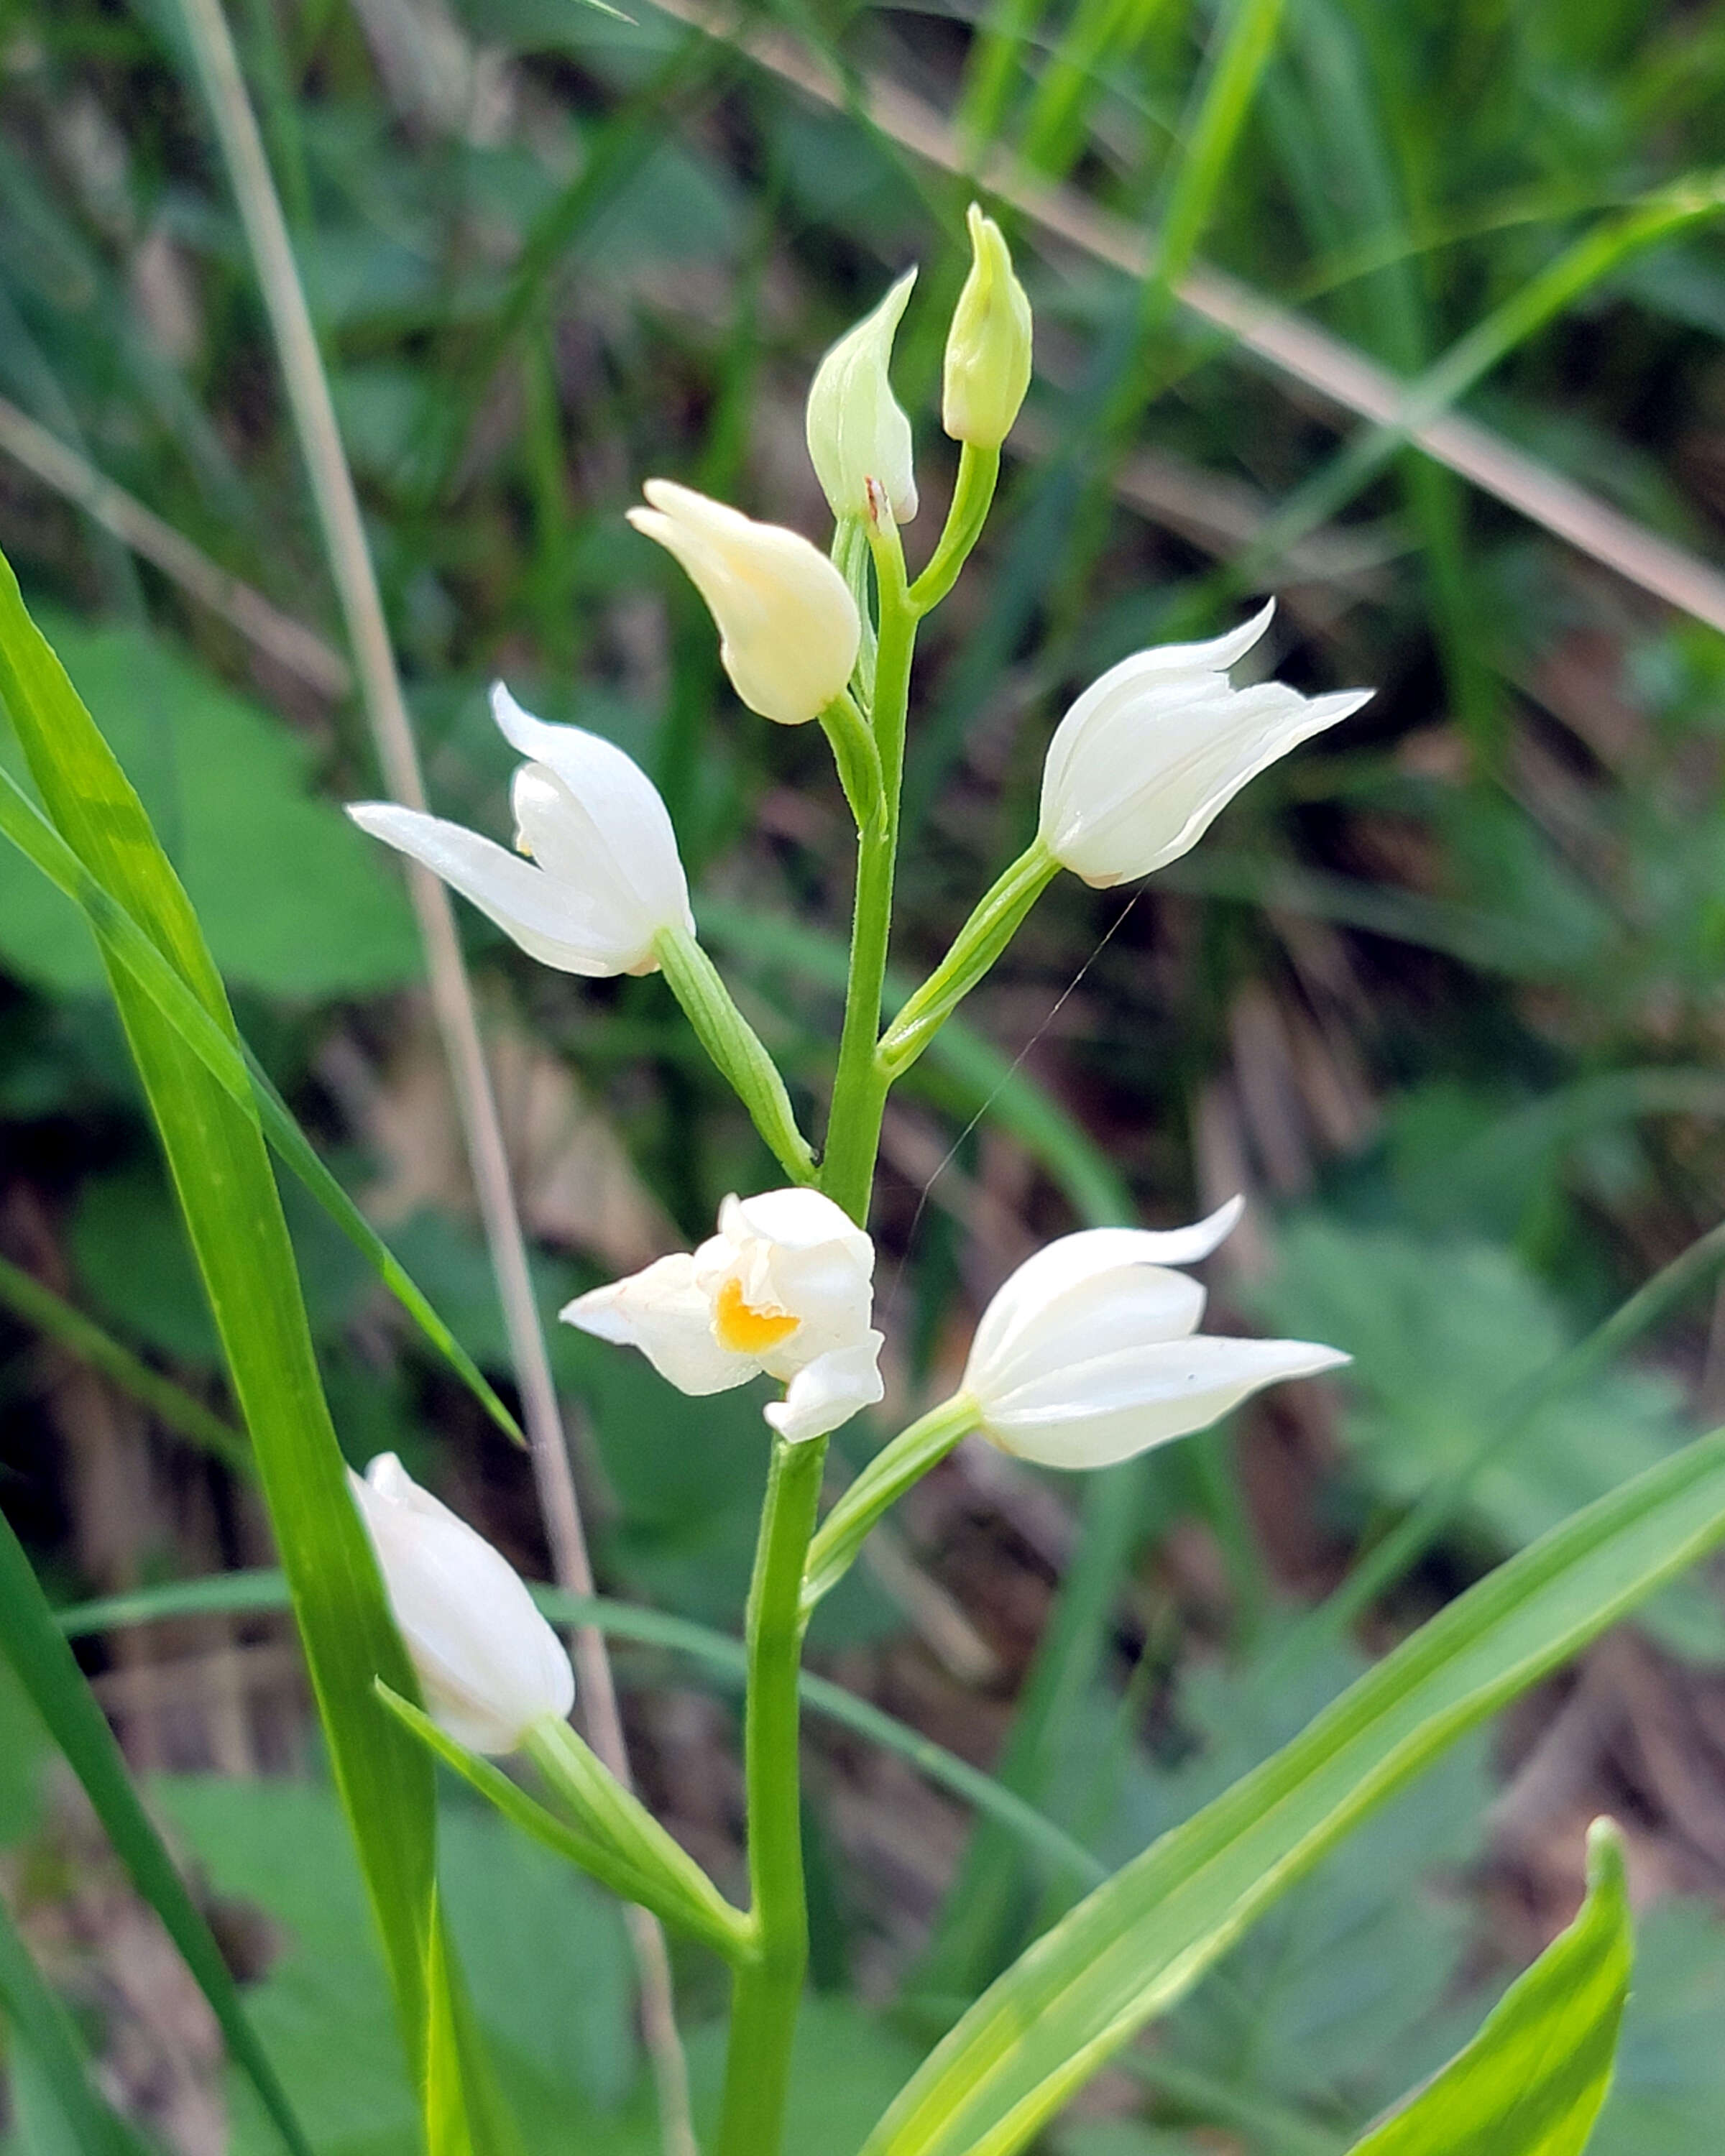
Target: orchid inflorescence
1090	1352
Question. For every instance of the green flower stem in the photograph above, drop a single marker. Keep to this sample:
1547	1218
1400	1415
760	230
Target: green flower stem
766	1992
975	948
641	1863
973	495
858	1087
892	1471
857	757
735	1048
616	1819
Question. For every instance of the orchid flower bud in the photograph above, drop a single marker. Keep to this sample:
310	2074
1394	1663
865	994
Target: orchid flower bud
856	431
1090	1352
608	878
1149	756
490	1666
789	628
988	364
786	1287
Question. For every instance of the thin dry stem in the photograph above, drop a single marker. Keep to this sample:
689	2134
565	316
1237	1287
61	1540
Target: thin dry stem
451	992
288	642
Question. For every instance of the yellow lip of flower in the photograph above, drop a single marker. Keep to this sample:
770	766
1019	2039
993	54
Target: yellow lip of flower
744	1330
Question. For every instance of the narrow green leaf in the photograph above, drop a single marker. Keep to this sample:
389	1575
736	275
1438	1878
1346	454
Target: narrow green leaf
171	1405
43	2027
679	1891
1532	2081
36	1647
233	1066
234	1593
1140	1941
215	1149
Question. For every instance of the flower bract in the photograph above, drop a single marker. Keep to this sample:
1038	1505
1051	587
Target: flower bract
856	430
1149	755
784	1287
789	628
988	360
601	876
489	1664
1089	1353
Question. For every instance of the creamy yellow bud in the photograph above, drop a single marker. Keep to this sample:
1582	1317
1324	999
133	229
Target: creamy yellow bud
789	628
856	431
987	367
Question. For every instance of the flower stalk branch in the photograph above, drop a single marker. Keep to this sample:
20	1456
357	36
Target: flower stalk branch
735	1048
978	945
973	497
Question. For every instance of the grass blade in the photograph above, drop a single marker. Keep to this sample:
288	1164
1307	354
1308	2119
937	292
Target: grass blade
231	1064
1141	1940
215	1149
250	1593
1532	2081
41	2027
171	1405
36	1647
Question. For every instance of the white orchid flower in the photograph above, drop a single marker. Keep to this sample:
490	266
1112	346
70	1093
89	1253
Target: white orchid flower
1149	756
789	628
602	876
786	1287
1090	1351
857	431
489	1664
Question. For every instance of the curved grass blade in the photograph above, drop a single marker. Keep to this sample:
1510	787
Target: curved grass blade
171	1405
220	1166
1532	2081
250	1593
1142	1939
35	1646
235	1069
41	2027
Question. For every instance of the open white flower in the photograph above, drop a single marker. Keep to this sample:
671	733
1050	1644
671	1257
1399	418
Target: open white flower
856	430
786	1287
1149	756
1090	1351
489	1664
607	877
789	628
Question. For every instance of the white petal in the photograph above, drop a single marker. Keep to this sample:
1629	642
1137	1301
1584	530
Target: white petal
1127	1307
856	431
1163	665
797	1251
490	1664
789	628
552	922
1072	1260
828	1392
1099	1413
1132	831
626	836
663	1311
796	1217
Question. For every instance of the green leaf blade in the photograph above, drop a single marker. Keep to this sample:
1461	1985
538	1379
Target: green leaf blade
45	1666
1532	2081
220	1168
1140	1941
